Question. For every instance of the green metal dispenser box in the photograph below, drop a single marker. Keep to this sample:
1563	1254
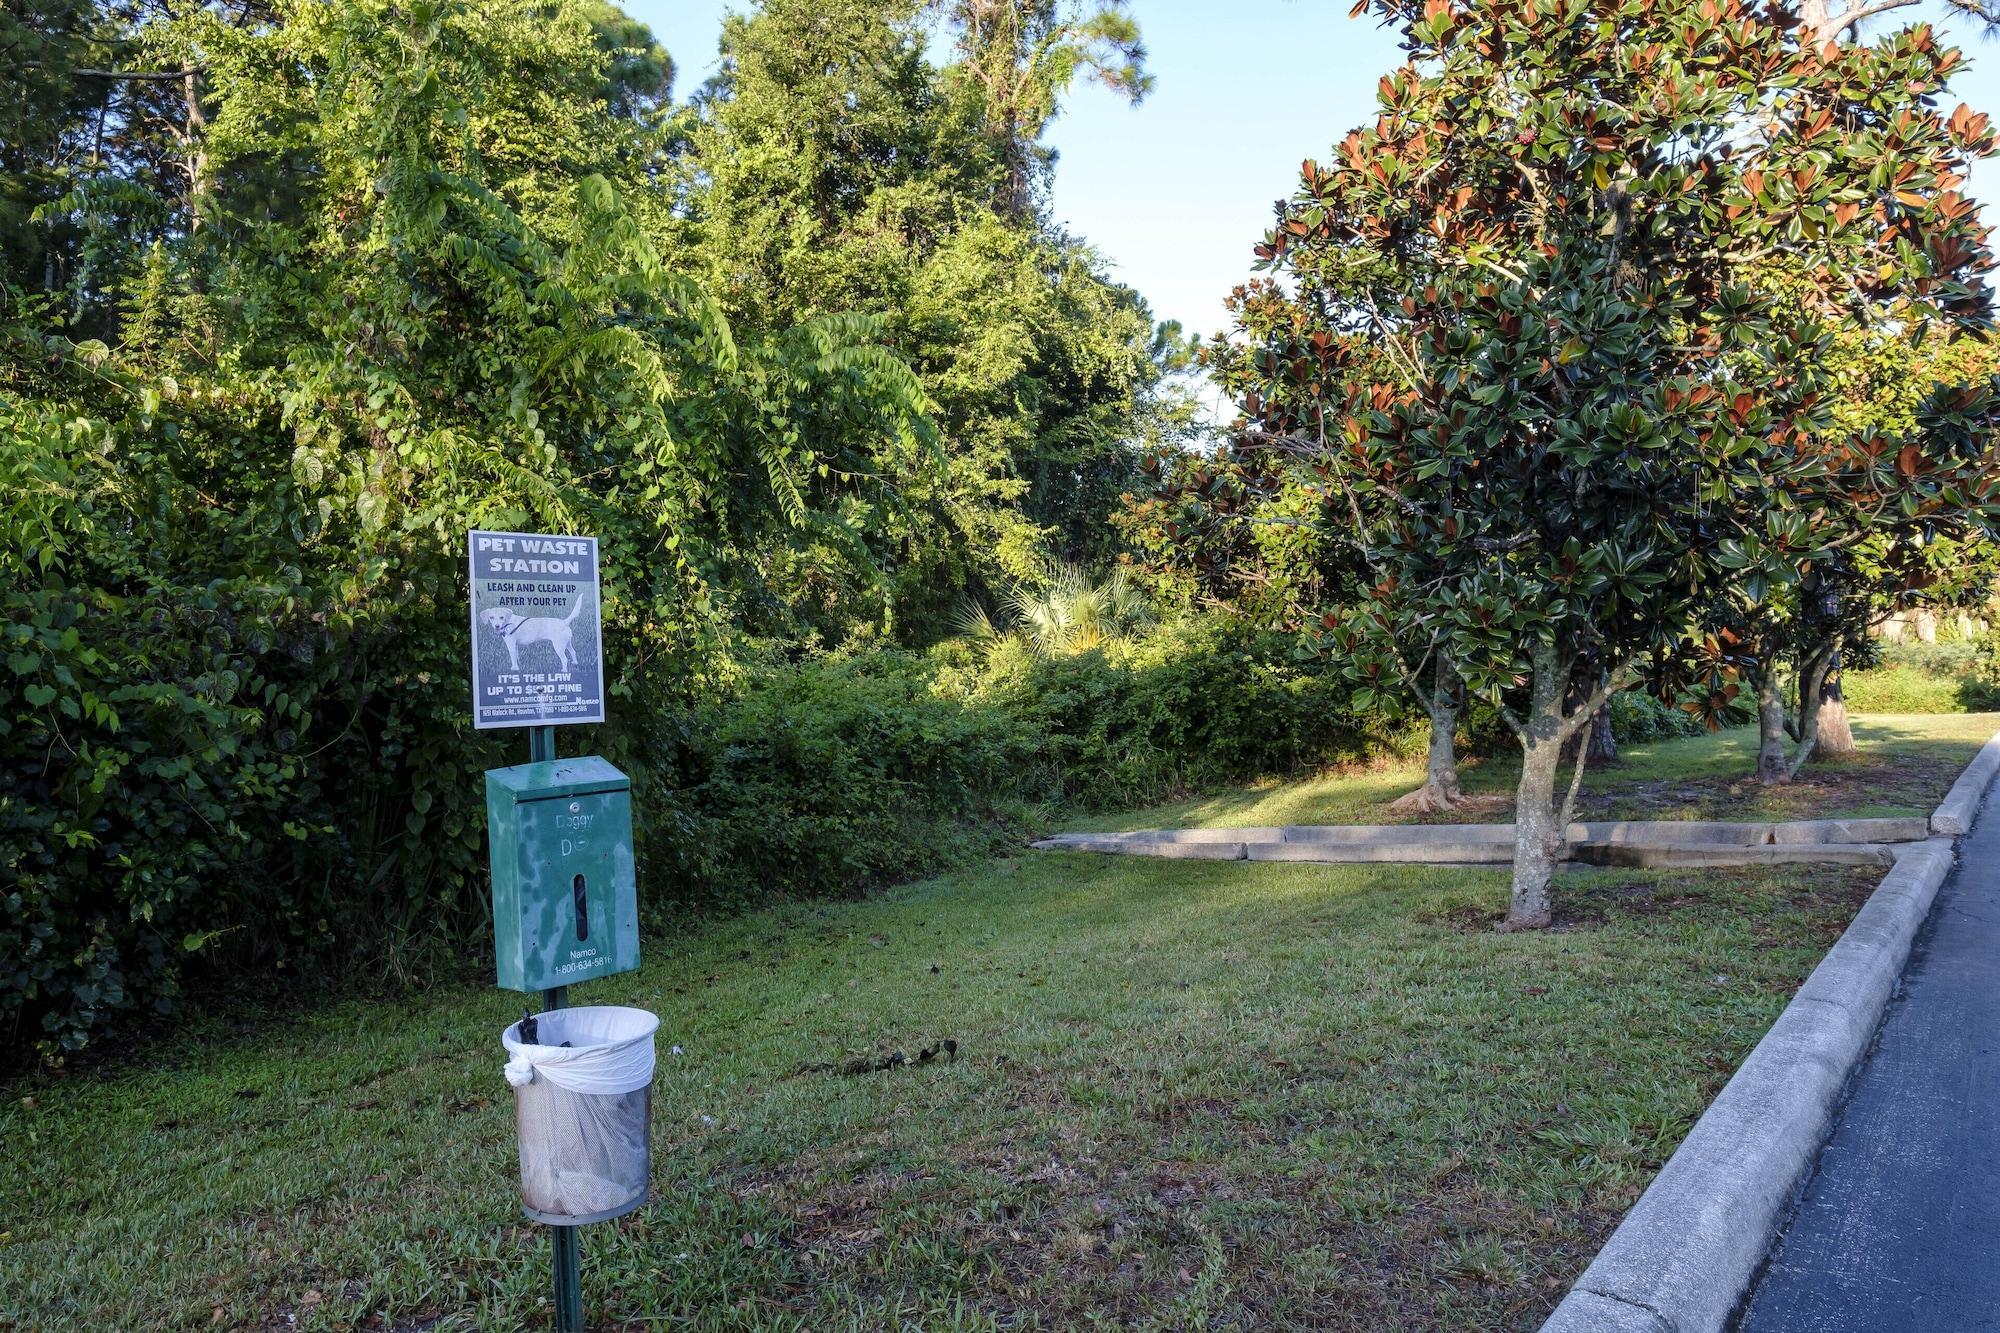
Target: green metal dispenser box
565	901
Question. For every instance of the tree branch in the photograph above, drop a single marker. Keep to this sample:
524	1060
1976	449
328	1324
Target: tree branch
1494	546
1615	680
132	75
1835	22
1569	799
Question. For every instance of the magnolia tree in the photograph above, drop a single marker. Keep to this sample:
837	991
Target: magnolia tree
1415	657
1873	548
1873	543
1582	417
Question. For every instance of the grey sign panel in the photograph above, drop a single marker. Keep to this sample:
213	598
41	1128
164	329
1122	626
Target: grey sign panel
537	647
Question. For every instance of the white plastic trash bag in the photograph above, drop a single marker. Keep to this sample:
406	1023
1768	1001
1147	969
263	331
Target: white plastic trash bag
584	1112
610	1049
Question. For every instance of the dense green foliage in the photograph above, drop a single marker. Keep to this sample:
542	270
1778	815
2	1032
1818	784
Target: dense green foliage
1895	687
292	294
832	775
1526	346
831	166
1638	717
150	717
1947	677
1780	640
1239	530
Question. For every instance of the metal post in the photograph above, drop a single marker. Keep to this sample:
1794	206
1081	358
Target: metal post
569	1280
567	1257
567	1260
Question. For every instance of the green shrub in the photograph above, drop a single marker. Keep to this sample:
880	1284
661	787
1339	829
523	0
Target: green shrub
1637	717
829	776
1914	677
1902	689
1953	658
149	726
1197	704
176	808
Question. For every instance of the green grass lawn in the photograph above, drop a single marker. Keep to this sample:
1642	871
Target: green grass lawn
1907	763
1188	1095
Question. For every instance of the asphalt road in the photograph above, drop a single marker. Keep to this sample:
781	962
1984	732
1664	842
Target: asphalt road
1899	1227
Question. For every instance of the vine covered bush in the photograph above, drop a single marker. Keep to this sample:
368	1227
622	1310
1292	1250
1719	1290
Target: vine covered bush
228	750
288	304
153	768
1202	702
833	775
236	712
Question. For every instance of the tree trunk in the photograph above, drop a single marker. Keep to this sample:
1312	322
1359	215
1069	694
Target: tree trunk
1836	737
1602	747
1441	763
1771	769
196	162
1537	838
1813	673
1440	791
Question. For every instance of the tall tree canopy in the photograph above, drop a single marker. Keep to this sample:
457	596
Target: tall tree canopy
1019	57
831	165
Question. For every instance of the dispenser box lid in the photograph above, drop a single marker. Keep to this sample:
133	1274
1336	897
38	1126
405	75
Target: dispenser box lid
585	775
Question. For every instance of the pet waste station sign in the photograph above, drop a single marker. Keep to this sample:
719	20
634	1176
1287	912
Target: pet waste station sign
537	650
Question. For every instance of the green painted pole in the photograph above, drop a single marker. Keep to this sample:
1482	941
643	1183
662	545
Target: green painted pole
569	1281
567	1261
567	1256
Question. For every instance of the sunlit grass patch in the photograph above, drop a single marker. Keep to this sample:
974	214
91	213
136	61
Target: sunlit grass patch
1905	766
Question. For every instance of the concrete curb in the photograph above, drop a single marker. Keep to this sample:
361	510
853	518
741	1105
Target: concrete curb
1487	852
1684	1255
1961	803
1205	850
1474	853
1640	843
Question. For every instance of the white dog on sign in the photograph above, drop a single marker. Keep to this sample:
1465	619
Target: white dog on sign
518	631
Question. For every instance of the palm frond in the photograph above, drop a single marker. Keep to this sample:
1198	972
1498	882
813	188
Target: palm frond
1064	611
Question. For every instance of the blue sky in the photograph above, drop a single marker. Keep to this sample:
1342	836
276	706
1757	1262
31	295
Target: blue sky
1174	192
